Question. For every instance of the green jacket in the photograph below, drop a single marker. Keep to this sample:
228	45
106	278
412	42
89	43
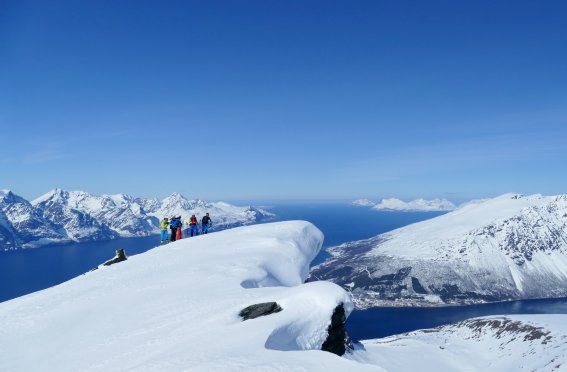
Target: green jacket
164	224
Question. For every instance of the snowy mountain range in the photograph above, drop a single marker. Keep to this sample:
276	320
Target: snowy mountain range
417	205
509	247
363	203
76	216
180	307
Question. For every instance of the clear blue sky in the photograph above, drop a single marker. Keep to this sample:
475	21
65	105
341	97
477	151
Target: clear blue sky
284	99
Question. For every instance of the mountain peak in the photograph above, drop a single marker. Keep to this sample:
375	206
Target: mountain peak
5	192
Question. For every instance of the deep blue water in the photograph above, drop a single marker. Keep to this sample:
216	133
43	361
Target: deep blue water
26	271
29	270
387	321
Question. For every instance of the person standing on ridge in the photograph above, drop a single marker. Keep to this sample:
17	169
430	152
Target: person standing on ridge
193	225
173	226
163	226
179	232
206	223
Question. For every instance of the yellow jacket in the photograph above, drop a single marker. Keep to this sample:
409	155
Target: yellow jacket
164	224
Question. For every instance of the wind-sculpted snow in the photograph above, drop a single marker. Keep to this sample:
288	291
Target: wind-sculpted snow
64	216
177	307
510	247
512	343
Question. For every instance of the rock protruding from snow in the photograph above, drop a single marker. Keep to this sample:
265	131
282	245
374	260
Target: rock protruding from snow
120	256
509	247
338	341
256	310
417	205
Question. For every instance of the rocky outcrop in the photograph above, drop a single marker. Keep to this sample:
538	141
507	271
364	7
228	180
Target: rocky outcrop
338	341
120	256
257	310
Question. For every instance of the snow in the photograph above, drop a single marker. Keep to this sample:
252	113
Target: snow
458	223
176	308
511	343
508	247
393	204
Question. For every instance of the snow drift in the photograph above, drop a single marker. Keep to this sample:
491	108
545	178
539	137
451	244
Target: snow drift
176	308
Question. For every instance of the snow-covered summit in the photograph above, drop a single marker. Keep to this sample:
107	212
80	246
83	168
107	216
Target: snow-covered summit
176	308
509	247
4	192
417	205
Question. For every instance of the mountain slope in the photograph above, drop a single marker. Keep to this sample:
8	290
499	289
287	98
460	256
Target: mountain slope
511	343
510	247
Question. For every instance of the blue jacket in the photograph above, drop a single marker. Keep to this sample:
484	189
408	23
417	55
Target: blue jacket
175	223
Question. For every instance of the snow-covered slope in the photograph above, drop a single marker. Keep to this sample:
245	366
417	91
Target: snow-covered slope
509	247
511	343
64	216
417	205
176	308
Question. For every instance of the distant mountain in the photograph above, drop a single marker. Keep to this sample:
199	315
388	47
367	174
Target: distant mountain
22	225
363	203
64	216
503	343
417	205
510	247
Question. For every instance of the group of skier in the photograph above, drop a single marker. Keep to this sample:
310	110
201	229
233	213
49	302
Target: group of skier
176	226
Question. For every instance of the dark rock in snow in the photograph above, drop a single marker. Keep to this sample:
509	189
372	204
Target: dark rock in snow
338	341
254	311
120	256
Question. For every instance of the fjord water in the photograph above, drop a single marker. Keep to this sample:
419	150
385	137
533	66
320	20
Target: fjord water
29	270
387	321
26	271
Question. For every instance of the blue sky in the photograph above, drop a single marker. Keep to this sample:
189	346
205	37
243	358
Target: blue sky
226	100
